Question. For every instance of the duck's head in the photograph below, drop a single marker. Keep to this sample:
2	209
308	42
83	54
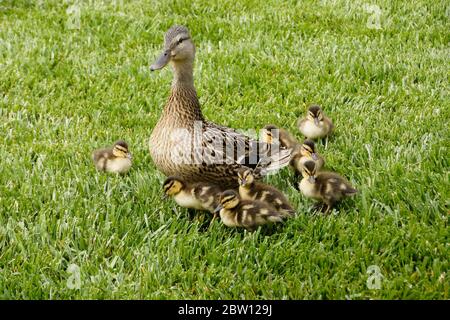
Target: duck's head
245	177
270	134
120	150
315	114
178	48
309	171
308	149
228	200
172	186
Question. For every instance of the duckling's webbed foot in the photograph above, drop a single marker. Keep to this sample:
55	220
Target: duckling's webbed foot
328	207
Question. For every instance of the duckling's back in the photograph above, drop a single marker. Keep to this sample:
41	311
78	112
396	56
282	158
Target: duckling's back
331	182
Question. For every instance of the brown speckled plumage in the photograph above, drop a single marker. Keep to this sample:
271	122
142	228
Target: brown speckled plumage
182	112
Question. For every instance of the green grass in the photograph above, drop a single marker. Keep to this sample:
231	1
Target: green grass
65	92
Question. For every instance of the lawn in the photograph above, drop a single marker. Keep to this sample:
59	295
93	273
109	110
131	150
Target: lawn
380	69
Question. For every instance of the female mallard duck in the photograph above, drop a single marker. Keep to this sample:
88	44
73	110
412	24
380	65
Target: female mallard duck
327	187
315	125
199	195
184	143
116	159
307	153
235	212
249	189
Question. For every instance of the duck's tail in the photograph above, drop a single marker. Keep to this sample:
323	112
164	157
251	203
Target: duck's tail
271	164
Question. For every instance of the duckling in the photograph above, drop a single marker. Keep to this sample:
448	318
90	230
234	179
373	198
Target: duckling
116	159
307	152
315	125
235	212
273	134
327	187
198	195
249	189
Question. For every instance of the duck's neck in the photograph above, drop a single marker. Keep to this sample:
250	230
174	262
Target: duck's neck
183	74
183	102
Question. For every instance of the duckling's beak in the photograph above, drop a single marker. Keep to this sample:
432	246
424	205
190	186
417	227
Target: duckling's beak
129	156
164	196
242	182
314	156
312	179
161	62
219	207
316	121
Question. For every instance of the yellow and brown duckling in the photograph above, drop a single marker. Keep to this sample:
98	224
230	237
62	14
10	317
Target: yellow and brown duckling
116	159
198	195
327	187
273	134
249	189
307	152
235	212
315	125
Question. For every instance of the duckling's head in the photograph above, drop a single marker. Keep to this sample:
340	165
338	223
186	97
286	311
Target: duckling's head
178	48
228	200
315	114
270	134
308	149
120	150
309	171
245	177
173	185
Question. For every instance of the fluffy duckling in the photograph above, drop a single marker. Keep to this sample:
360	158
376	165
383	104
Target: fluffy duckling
235	212
116	159
327	187
315	125
307	152
272	134
249	189
199	195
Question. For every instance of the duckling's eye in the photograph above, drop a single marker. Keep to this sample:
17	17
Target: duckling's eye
180	41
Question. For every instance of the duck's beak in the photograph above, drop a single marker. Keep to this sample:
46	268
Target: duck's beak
164	196
219	207
129	156
316	121
161	62
242	182
312	179
314	156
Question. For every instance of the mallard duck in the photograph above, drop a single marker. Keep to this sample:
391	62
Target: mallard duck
184	143
235	212
327	187
199	195
249	189
116	159
307	152
315	125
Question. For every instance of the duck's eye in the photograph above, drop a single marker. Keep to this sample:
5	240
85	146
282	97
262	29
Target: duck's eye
180	41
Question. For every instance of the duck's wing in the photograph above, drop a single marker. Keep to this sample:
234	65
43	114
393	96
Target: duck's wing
224	145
